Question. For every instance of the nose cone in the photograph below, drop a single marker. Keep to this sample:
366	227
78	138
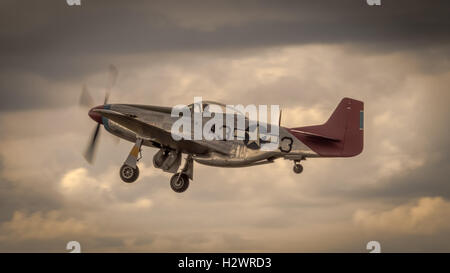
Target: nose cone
96	116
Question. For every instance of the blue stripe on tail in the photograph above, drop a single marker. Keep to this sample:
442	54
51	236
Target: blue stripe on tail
361	120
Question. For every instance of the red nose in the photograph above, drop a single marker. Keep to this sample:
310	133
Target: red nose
96	116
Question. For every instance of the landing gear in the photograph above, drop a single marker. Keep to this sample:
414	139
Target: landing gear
298	168
179	182
167	160
129	172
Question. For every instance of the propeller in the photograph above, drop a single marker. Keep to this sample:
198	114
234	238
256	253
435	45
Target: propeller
112	77
87	101
90	150
85	98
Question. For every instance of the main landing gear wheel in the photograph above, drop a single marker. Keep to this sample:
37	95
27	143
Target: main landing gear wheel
179	182
298	168
128	174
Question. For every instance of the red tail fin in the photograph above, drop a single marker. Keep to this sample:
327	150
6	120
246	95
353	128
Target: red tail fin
342	135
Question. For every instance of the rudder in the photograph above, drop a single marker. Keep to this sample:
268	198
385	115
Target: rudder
341	136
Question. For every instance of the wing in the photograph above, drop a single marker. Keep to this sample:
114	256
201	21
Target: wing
155	133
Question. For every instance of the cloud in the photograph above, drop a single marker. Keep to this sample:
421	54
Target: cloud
173	25
79	188
428	215
41	226
49	49
254	204
304	56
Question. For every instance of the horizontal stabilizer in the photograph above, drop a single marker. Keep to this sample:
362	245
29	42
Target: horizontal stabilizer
309	134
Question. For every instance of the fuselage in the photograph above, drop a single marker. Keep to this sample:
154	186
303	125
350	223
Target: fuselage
224	153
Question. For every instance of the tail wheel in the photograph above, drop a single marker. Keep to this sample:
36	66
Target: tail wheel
129	174
298	168
179	182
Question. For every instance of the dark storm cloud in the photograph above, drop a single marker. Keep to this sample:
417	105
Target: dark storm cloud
101	27
22	197
428	180
62	43
15	195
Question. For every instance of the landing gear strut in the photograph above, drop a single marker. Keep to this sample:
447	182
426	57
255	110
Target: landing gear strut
298	168
129	172
180	181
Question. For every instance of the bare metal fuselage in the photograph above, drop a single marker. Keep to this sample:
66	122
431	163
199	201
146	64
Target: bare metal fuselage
221	153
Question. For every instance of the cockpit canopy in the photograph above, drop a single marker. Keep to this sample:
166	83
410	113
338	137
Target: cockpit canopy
214	107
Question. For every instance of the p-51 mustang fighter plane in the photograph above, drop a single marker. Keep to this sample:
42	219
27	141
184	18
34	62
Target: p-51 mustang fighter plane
144	125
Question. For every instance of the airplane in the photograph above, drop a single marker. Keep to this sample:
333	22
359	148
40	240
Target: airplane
145	125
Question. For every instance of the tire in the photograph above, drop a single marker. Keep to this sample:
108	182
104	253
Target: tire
179	185
128	174
298	168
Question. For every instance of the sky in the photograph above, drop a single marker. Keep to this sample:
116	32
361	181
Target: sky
302	55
